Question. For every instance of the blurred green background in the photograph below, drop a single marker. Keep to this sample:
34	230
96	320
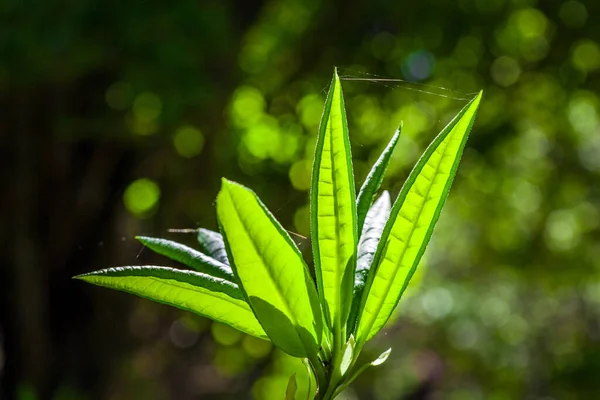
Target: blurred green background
120	118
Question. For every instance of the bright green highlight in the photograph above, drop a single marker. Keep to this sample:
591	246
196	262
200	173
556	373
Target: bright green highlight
141	197
191	291
271	270
411	223
333	211
188	141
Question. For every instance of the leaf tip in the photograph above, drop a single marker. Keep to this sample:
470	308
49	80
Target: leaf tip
83	277
382	358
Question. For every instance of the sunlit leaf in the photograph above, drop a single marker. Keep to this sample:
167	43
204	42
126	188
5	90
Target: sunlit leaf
411	223
211	243
271	271
199	293
374	180
188	256
333	211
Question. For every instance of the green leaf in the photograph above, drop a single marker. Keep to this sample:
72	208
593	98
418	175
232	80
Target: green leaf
211	243
374	180
199	293
411	223
369	239
292	387
188	256
333	211
271	271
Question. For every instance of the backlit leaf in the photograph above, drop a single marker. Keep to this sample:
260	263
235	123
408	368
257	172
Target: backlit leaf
199	293
271	271
333	211
411	223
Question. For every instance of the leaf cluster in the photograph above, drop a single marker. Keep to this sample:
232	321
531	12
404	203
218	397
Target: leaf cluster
252	276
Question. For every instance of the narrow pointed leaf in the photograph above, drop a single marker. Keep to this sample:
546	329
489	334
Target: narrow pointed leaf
374	180
333	210
411	223
211	243
199	293
188	256
369	239
292	387
271	271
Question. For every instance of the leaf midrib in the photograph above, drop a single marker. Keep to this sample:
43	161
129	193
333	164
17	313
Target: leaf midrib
337	285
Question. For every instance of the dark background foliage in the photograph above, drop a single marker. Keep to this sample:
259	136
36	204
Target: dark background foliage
119	119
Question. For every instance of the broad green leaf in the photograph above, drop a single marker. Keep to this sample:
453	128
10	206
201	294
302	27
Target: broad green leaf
292	387
271	271
199	293
333	210
411	223
211	243
374	180
369	239
188	256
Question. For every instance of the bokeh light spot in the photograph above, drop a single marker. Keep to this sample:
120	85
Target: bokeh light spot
119	95
586	55
562	230
505	71
230	361
573	14
141	197
515	330
437	302
224	334
418	66
181	335
300	175
188	141
147	107
255	347
262	138
532	23
583	116
494	312
248	106
310	108
464	334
